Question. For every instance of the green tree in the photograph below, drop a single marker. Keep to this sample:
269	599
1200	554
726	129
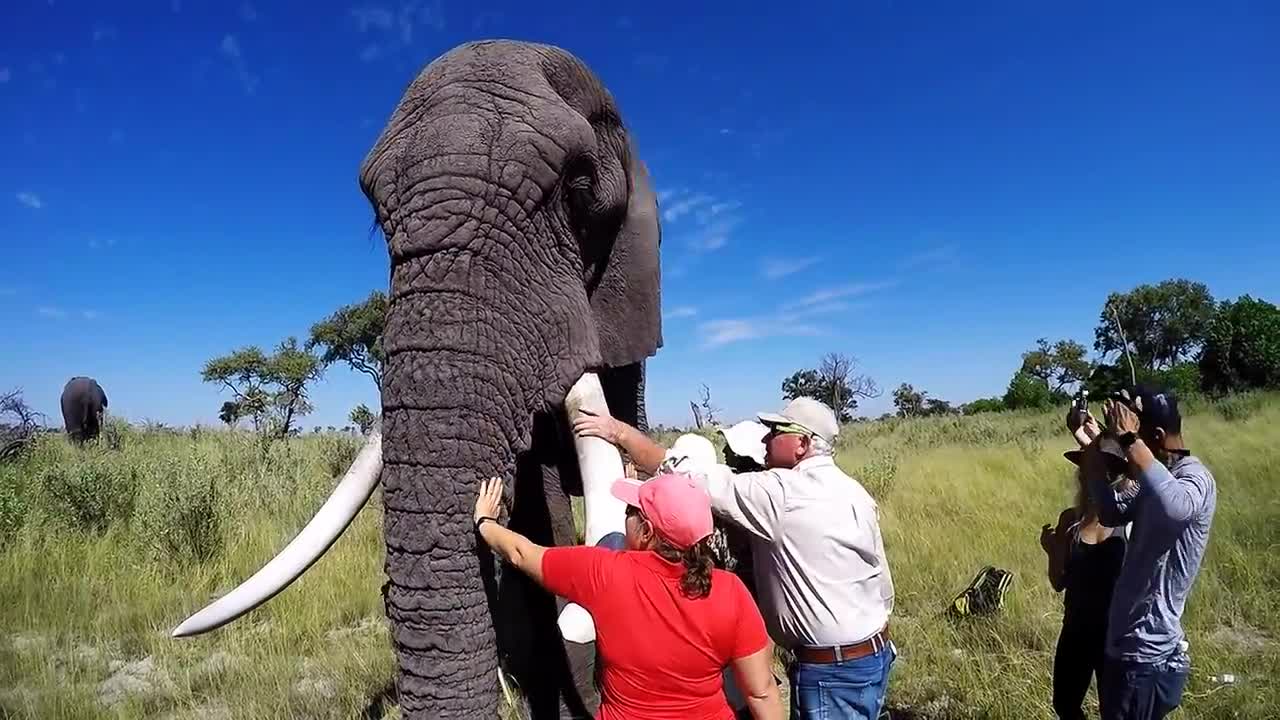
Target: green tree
833	382
983	405
1243	347
908	401
1060	365
363	417
270	389
1028	391
353	334
1164	324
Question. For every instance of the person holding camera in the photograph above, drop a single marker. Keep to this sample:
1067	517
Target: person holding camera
1146	664
1085	556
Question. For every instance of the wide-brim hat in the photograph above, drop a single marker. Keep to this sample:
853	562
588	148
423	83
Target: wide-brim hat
746	439
1117	461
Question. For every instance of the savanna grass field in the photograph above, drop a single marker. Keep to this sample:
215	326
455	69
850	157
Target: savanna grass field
104	550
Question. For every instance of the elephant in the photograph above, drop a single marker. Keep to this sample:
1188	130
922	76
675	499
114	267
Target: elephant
523	235
83	403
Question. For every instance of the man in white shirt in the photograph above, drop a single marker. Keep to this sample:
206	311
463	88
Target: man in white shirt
823	580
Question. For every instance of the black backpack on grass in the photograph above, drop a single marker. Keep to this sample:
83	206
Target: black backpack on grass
984	595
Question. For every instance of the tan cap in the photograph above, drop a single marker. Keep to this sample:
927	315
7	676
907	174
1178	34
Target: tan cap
807	413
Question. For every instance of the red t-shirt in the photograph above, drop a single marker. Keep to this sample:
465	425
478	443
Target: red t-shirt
662	653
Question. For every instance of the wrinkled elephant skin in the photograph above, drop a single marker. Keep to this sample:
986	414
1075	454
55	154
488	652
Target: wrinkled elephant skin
83	402
523	237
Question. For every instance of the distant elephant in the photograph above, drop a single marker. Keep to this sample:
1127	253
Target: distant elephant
524	241
83	401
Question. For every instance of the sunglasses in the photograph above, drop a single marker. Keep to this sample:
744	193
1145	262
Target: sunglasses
789	429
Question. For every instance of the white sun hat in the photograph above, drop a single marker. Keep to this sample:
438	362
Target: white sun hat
746	439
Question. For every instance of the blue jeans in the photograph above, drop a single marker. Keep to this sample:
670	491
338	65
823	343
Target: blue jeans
849	690
1142	691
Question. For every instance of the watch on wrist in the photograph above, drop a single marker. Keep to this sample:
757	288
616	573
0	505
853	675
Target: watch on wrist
483	519
1127	439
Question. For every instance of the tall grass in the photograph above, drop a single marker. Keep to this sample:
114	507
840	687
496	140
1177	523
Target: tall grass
103	550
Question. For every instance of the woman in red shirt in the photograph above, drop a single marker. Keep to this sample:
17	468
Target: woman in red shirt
667	623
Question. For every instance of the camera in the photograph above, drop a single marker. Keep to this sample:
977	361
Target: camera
1081	402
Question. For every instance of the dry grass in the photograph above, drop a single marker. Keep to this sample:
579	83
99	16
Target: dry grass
82	608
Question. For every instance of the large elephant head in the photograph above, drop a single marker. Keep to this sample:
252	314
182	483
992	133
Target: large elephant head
523	237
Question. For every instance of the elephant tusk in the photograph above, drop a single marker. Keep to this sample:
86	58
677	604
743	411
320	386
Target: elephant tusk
350	495
599	463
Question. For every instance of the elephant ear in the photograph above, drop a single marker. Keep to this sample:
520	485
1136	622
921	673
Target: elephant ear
624	292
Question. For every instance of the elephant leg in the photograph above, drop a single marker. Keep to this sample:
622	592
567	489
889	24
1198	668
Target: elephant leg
556	677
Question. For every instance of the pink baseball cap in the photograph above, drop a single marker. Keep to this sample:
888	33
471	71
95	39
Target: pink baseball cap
675	503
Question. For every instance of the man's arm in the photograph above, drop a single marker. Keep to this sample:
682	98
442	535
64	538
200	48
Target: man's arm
753	501
646	454
1178	498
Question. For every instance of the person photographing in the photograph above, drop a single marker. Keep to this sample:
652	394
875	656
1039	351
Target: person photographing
1171	507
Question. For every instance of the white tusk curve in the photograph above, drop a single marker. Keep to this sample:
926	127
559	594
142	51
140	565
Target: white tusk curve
329	522
599	463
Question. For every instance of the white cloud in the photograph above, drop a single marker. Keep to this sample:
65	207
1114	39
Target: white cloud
394	30
684	206
715	235
718	333
826	295
230	47
51	312
933	256
5	75
774	268
30	199
682	311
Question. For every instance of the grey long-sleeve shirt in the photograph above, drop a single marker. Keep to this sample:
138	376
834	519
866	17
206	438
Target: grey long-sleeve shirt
1171	512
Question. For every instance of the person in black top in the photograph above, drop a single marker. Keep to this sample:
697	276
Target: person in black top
1084	562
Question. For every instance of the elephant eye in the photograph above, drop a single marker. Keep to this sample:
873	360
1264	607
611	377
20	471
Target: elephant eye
580	197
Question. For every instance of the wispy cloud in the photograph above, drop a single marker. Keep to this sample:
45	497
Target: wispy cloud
718	333
230	49
685	205
713	219
683	311
826	295
774	268
933	256
56	313
30	199
5	75
392	31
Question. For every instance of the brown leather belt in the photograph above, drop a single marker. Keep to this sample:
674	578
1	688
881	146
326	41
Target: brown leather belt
835	654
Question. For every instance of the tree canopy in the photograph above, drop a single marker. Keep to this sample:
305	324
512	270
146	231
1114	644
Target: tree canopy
1243	347
1163	323
833	382
353	334
1060	366
269	389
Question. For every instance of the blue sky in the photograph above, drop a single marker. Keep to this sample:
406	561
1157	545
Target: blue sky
929	187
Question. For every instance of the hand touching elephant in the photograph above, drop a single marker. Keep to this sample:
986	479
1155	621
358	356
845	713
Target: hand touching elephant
83	403
523	237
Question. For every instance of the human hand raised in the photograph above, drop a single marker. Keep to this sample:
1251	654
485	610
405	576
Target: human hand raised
489	502
1046	537
1121	418
591	424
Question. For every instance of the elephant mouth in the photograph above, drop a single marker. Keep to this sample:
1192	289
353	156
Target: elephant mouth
599	462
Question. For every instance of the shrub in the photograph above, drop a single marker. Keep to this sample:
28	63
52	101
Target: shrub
178	517
89	494
877	475
337	452
13	504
